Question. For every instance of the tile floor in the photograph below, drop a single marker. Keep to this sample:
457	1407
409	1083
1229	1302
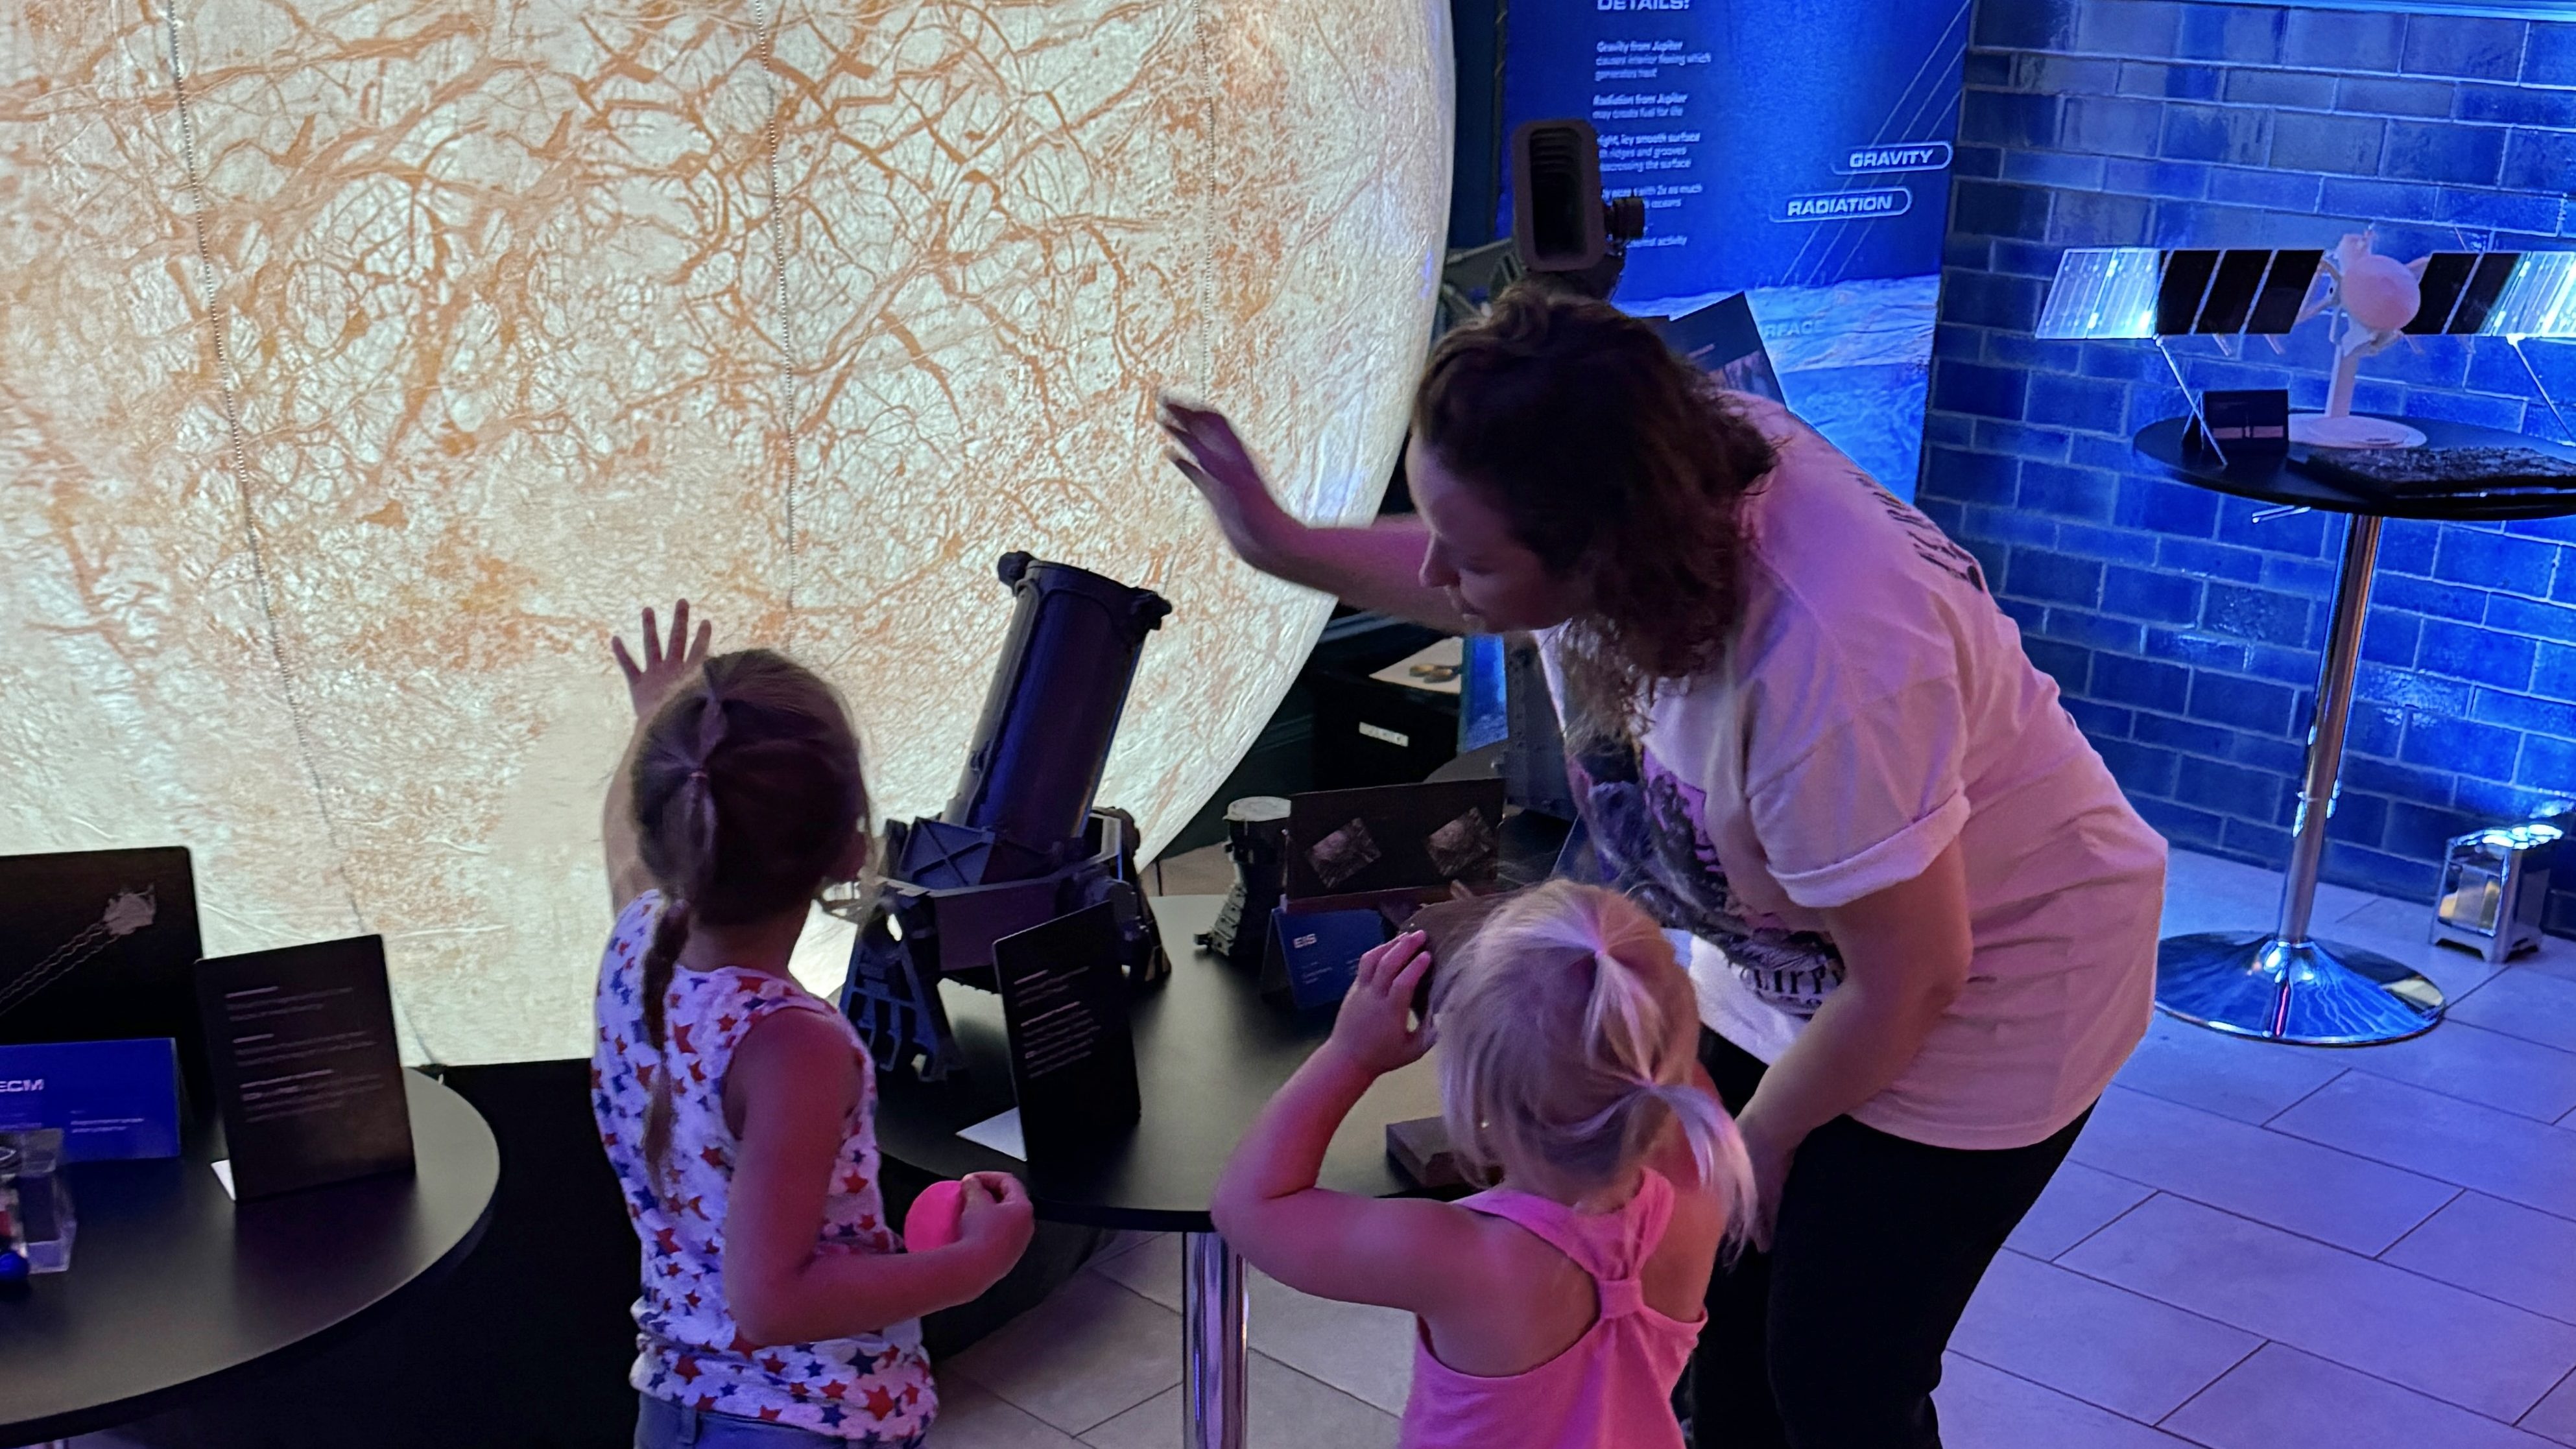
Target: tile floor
2253	1247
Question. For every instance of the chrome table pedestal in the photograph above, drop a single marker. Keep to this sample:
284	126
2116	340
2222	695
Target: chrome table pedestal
2314	993
2285	985
1217	1357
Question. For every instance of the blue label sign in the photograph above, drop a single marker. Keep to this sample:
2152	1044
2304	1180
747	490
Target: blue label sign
1724	114
1796	151
110	1099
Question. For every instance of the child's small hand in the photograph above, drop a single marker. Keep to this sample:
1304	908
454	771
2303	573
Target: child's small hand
1375	1028
663	669
997	1219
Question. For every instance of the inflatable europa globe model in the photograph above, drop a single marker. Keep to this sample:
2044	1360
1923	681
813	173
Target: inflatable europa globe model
361	367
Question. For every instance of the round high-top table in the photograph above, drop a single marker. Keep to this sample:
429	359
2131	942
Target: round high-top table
2285	984
1209	1052
173	1287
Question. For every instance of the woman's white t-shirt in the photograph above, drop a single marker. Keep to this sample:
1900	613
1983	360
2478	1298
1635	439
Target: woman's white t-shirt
1876	706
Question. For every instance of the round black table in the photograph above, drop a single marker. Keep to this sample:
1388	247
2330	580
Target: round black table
174	1287
2284	984
1209	1052
2278	478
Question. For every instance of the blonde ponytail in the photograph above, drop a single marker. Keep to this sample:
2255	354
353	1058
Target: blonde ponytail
1562	1023
1716	1147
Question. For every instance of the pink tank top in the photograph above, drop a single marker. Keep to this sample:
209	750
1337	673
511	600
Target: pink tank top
1613	1387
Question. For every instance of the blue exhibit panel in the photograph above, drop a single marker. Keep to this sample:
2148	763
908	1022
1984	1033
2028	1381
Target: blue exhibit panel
1795	150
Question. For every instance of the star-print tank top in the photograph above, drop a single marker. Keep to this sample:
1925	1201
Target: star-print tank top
871	1389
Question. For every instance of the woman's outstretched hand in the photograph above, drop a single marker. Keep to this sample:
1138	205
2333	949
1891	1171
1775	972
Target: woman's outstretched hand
663	667
1204	447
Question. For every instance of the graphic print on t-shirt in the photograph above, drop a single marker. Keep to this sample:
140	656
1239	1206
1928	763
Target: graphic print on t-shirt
1646	826
1649	824
1930	544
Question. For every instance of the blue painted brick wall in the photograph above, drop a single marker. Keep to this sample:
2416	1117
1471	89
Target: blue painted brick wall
2184	632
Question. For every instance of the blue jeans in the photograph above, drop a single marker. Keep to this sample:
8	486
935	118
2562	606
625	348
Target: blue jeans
661	1424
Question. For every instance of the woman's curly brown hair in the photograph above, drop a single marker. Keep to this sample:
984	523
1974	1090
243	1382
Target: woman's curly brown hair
1619	465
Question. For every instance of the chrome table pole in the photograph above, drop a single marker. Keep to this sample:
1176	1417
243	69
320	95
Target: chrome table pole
2284	984
1217	1355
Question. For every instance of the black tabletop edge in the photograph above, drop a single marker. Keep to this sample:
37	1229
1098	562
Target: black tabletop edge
2278	479
940	1151
97	1418
1165	1220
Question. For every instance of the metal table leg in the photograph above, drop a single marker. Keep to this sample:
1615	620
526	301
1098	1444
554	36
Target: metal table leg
2285	985
1216	1352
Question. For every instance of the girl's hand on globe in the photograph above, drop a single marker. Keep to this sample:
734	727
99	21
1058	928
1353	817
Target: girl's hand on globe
663	668
1206	450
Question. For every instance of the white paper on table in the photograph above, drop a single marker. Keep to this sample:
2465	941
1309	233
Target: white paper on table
1449	654
1001	1134
224	1174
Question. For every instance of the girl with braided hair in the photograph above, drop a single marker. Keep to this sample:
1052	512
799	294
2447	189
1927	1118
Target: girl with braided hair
737	1108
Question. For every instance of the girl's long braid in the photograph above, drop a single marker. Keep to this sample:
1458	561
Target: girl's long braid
696	804
670	937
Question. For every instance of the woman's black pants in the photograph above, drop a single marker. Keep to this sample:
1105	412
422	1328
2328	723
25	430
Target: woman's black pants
1833	1339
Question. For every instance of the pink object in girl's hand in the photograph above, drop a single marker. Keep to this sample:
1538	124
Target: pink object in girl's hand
932	1222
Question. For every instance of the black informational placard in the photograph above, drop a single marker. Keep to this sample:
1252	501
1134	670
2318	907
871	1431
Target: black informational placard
98	944
1064	1001
306	1068
2246	420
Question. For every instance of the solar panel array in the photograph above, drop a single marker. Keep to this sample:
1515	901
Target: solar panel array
2240	291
